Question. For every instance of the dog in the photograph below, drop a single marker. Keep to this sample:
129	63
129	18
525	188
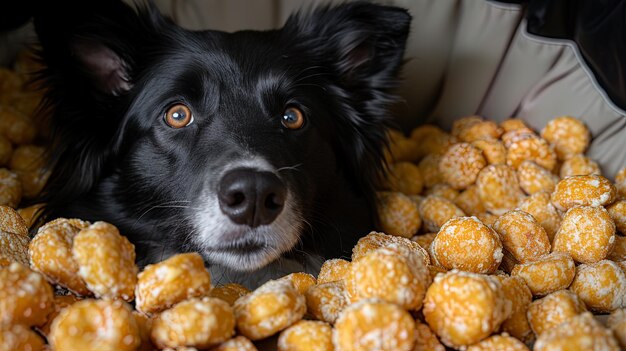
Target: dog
260	150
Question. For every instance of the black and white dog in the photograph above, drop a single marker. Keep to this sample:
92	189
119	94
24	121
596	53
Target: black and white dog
250	148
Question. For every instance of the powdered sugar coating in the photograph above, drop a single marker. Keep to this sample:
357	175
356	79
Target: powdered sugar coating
460	165
429	169
517	292
498	188
531	148
569	136
398	214
17	337
229	292
25	296
469	201
617	323
512	124
522	236
238	343
301	281
579	165
426	340
581	332
405	177
436	210
493	150
617	211
333	270
534	178
306	336
601	285
585	190
12	222
375	240
13	248
10	188
539	206
444	190
547	274
498	343
326	301
553	309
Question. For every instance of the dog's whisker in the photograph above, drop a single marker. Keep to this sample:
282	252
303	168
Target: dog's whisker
293	168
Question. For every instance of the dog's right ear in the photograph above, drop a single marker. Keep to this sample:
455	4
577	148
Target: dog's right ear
92	46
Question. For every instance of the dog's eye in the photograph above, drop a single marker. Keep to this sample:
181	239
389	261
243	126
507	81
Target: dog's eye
293	118
178	116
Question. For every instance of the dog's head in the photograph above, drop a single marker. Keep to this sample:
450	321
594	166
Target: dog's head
230	144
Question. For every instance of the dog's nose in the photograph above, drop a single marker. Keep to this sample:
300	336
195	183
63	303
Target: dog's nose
251	197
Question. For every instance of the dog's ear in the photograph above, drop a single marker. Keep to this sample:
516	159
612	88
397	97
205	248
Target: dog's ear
363	44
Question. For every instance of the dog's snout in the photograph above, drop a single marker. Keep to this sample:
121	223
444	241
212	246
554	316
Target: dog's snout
251	197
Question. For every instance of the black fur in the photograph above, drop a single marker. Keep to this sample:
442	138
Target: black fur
112	71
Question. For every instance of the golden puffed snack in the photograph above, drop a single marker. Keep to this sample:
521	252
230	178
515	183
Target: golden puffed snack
429	168
269	309
498	188
15	127
426	340
17	337
30	214
12	222
467	244
481	130
27	162
531	148
553	309
301	281
326	301
229	292
398	214
401	148
620	182
617	211
516	135
101	325
51	254
493	150
59	304
144	325
539	206
238	343
6	150
522	236
469	201
547	274
196	322
25	296
601	286
306	336
463	123
10	188
443	190
13	248
393	273
106	261
375	240
619	249
424	240
405	177
579	165
436	210
164	284
517	292
586	233
374	325
499	343
333	270
585	190
431	140
569	136
460	165
512	124
617	323
534	178
579	333
463	308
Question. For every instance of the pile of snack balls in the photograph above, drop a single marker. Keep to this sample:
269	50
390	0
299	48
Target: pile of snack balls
496	237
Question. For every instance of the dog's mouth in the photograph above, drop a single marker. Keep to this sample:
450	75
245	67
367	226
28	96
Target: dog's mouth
243	248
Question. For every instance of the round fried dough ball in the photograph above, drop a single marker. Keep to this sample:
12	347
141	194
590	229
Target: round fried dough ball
547	274
463	308
424	240
512	124
498	188
196	322
401	148
579	165
466	243
269	309
617	211
516	135
15	127
539	206
620	182
398	214
238	343
306	336
17	337
12	222
522	236
463	123
59	304
431	140
326	301
553	309
426	340
436	210
28	162
579	333
586	233
333	270
106	261
498	343
374	325
569	136
601	286
534	178
405	177
619	249
517	292
429	169
144	325
469	201
13	248
25	296
10	188
586	190
493	150
51	254
531	148
301	281
392	273
169	282
375	240
617	323
460	165
229	292
443	190
481	130
95	325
